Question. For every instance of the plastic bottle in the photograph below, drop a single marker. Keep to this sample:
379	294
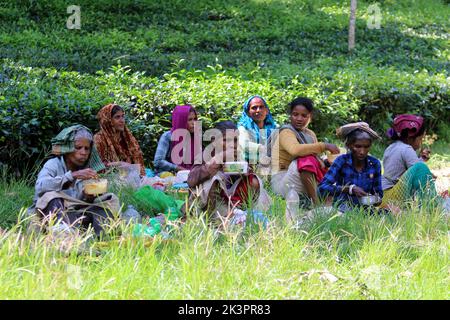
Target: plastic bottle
292	205
155	224
172	213
131	214
142	230
260	218
133	178
151	230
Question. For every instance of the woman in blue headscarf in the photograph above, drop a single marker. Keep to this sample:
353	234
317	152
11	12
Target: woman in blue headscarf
255	126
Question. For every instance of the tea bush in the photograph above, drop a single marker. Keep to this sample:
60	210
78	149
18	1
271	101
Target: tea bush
37	103
150	56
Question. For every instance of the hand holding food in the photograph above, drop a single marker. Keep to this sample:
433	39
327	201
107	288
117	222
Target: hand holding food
354	190
85	174
213	166
425	154
332	148
359	192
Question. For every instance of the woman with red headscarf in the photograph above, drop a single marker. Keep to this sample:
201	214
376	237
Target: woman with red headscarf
405	174
115	142
175	149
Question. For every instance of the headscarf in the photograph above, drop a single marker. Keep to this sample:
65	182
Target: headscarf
180	117
249	124
345	130
116	145
405	121
64	143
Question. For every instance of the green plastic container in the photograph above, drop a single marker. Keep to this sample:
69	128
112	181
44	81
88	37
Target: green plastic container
142	230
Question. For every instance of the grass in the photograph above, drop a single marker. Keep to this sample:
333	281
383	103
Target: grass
349	257
214	54
354	256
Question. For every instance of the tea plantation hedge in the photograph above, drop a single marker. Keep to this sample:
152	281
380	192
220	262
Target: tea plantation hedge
150	56
37	103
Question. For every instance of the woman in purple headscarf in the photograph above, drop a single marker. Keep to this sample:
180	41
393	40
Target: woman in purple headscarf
406	176
175	149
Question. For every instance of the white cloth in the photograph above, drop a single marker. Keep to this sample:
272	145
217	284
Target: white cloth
282	179
203	193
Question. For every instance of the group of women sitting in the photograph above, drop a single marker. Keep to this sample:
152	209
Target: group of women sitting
290	155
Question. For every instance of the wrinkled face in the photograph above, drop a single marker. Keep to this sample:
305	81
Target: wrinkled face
191	121
300	117
118	120
81	154
257	110
360	148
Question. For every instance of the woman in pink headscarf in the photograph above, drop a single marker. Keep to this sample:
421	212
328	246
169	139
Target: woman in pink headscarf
175	149
406	176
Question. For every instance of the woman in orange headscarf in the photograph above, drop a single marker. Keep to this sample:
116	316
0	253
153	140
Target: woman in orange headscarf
115	142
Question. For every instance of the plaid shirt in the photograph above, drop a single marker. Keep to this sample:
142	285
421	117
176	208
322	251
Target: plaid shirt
342	173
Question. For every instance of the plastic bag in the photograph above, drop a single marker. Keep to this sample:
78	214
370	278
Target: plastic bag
130	175
181	176
155	200
142	230
242	217
131	214
149	173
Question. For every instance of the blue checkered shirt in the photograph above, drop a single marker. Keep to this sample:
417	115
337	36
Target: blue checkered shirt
343	173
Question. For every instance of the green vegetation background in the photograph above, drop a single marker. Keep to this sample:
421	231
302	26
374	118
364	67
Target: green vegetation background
150	56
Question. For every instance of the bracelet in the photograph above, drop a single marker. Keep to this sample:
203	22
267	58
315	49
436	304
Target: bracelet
350	190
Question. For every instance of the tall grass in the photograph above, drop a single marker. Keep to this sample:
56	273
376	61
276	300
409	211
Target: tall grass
354	256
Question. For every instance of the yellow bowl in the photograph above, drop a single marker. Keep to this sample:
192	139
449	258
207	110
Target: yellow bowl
165	174
95	186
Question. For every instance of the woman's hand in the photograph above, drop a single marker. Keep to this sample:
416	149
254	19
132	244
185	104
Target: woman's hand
332	148
425	154
180	168
213	167
359	192
85	174
356	191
